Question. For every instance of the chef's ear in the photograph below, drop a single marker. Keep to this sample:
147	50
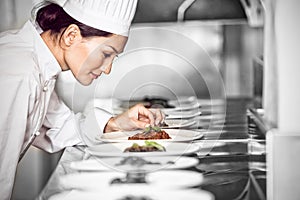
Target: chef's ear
71	34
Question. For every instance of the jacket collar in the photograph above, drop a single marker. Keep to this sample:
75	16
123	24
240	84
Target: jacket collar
47	63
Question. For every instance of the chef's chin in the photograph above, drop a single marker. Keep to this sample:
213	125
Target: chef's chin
85	82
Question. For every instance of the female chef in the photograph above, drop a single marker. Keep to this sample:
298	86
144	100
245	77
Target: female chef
83	36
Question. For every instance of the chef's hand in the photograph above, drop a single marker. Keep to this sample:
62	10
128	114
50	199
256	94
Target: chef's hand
137	117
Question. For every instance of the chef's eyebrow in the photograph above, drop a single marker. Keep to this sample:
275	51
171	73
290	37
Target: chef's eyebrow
113	48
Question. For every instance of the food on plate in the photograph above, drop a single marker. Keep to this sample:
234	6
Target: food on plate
148	102
157	102
134	197
136	161
151	133
149	146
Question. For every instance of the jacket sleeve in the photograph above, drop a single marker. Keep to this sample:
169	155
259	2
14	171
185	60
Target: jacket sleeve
62	128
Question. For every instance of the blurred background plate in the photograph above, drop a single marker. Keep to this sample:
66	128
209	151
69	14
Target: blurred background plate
132	163
117	149
178	123
182	114
102	181
139	193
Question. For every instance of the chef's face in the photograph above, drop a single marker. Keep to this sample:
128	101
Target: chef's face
90	57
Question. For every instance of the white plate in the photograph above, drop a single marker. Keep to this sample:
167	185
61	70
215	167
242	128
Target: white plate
182	114
182	107
116	163
116	149
178	123
101	181
184	103
177	135
183	100
135	192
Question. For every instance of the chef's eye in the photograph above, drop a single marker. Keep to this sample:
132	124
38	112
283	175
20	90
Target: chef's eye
106	55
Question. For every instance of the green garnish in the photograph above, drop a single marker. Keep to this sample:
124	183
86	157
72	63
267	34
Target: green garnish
156	128
149	146
154	144
152	129
147	129
135	145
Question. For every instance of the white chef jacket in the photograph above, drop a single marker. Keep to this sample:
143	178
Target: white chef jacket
29	104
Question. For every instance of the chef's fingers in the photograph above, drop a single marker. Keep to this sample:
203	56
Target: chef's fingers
141	124
158	115
145	113
144	119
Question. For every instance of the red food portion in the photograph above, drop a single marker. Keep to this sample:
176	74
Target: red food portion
150	136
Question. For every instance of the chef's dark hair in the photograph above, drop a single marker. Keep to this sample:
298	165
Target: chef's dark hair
53	17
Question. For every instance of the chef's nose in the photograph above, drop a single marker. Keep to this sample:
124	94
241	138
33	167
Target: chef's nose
106	68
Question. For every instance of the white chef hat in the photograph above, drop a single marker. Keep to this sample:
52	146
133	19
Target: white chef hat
112	16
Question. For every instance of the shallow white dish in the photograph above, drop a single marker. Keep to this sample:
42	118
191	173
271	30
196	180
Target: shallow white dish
178	123
136	192
116	149
149	163
102	181
184	103
177	135
182	107
182	114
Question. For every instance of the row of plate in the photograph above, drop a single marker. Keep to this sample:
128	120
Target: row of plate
160	185
93	178
115	143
